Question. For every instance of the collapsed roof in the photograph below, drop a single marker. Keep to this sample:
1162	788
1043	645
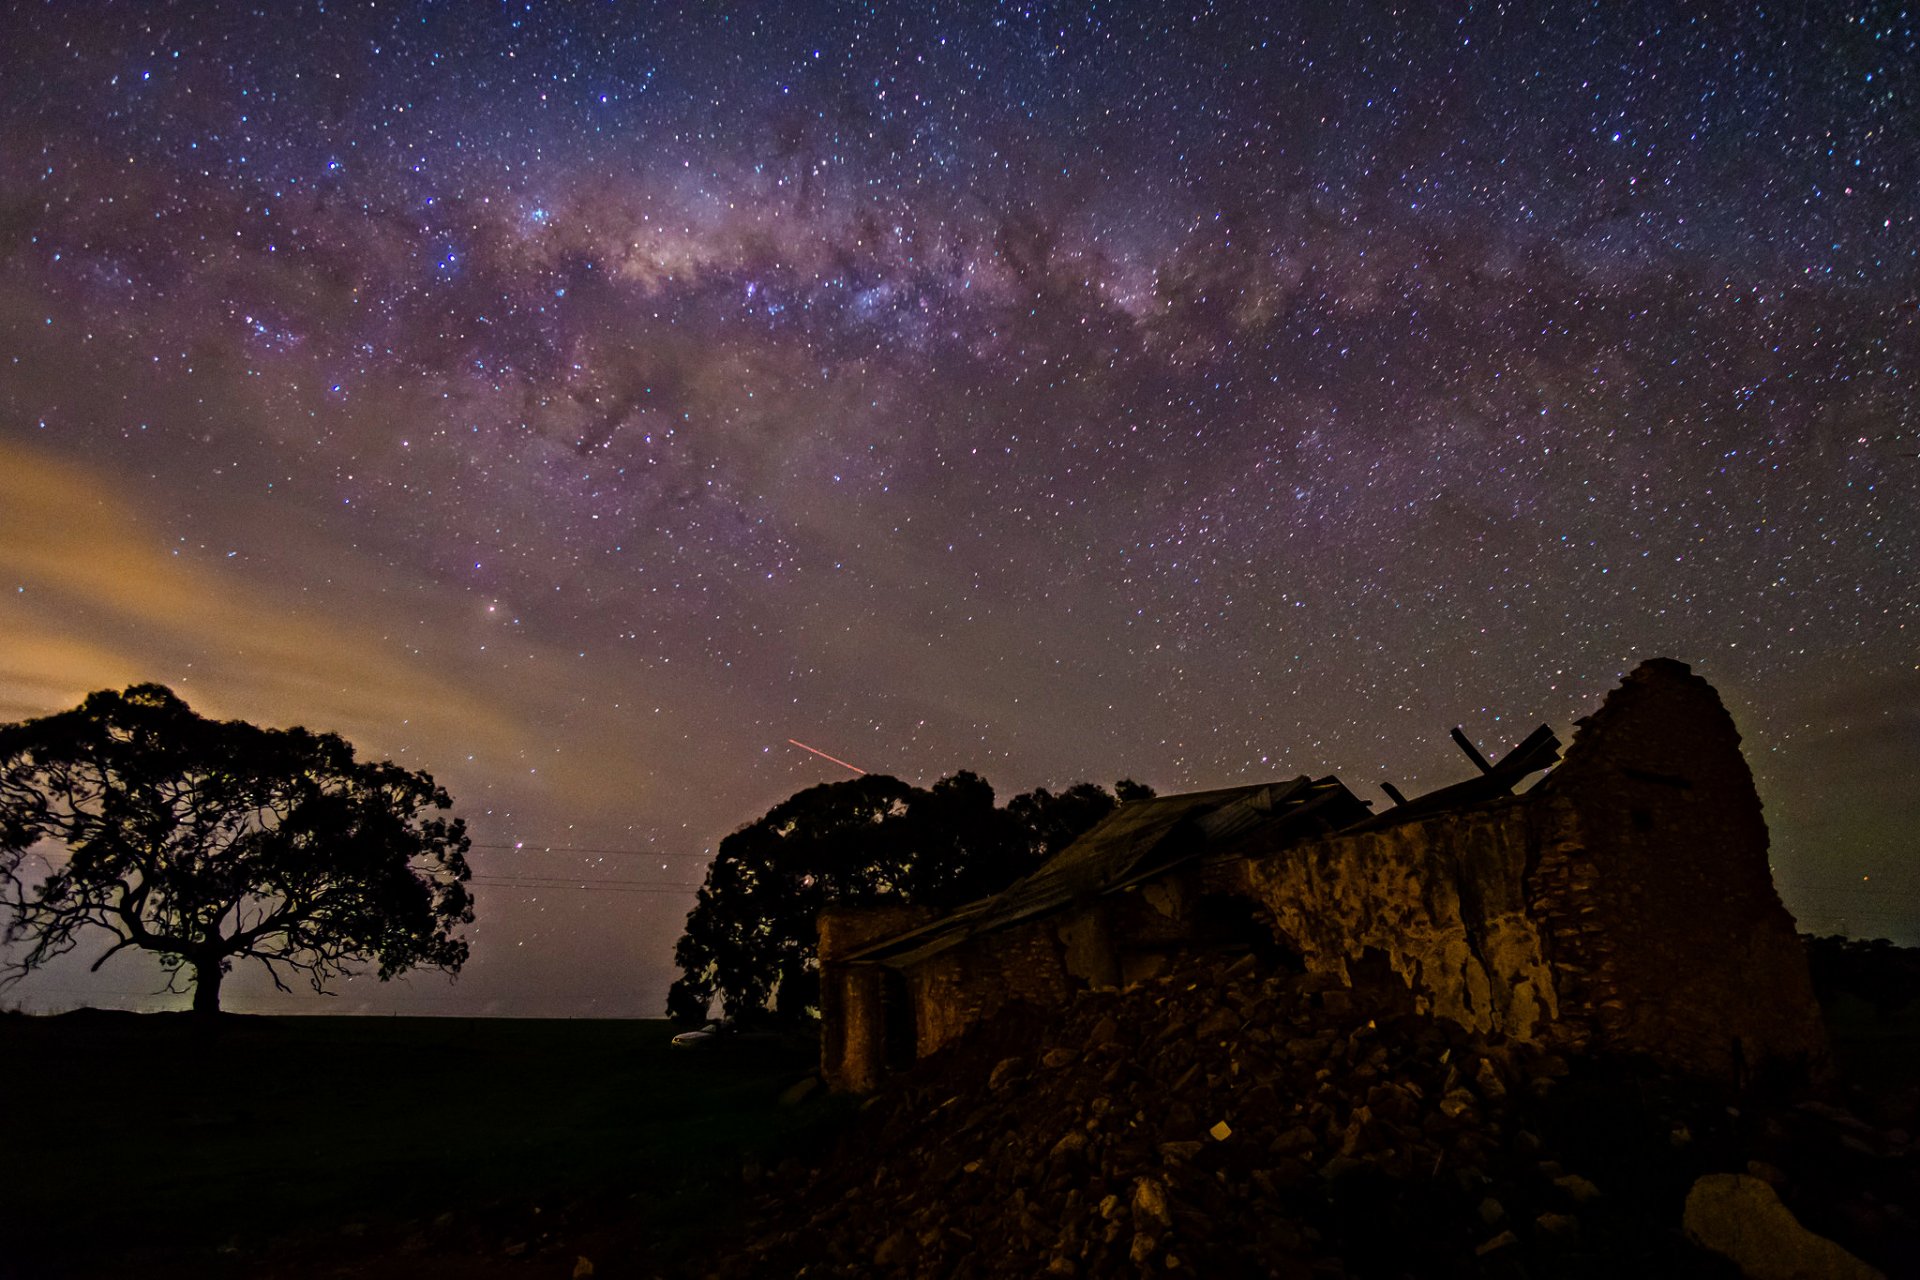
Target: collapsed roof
1142	839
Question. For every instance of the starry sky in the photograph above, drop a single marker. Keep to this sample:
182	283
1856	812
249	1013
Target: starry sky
578	402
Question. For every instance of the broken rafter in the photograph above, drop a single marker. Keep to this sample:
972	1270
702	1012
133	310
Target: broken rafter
1538	750
1473	753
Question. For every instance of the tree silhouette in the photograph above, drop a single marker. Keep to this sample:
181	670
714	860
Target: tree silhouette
208	842
751	938
1053	822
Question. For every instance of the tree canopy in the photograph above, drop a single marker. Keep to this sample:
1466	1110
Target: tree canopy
751	937
209	842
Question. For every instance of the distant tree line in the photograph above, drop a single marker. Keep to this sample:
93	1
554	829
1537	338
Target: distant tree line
750	941
1875	971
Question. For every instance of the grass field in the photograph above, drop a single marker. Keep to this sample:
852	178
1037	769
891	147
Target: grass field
379	1146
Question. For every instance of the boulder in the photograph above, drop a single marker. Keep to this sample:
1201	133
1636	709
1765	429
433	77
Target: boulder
1740	1218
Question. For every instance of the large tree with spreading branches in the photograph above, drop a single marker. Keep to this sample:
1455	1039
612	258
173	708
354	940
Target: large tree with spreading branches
751	938
209	842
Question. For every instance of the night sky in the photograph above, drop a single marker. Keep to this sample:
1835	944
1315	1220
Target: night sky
579	404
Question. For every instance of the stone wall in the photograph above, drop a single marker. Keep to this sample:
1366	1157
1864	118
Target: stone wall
1653	887
854	998
1442	901
1625	903
975	980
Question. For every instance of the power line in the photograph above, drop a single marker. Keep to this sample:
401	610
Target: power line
528	846
488	877
676	890
583	882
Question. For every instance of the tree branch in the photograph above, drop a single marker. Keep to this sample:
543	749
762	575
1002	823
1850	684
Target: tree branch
109	952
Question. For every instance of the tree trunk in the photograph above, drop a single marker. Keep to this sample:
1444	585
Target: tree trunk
207	974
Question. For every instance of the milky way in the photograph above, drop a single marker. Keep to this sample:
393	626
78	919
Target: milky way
579	405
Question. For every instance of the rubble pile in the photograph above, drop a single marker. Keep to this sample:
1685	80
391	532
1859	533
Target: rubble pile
1227	1120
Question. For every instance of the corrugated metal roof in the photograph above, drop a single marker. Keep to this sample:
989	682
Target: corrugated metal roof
1138	840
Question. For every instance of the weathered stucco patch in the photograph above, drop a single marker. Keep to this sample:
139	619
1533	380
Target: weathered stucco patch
1443	900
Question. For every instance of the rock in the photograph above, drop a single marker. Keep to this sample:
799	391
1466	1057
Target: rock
1500	1241
1072	1144
1143	1247
1298	1138
1290	1174
1354	1138
1395	1102
890	1250
1221	1022
1340	1166
1557	1224
1740	1218
1488	1079
1150	1205
1577	1187
1216	1148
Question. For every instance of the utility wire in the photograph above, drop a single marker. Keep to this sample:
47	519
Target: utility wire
570	882
530	846
489	878
675	890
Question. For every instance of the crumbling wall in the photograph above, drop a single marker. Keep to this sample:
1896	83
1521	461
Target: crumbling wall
854	1003
969	983
1442	900
1090	949
1654	891
1108	942
1625	902
1152	923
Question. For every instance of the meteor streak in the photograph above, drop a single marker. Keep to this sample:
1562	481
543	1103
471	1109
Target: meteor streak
824	756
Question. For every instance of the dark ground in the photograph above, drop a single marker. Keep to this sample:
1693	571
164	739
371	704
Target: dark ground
363	1148
1357	1139
375	1147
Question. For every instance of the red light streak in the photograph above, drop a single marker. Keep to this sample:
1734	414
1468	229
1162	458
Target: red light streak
824	756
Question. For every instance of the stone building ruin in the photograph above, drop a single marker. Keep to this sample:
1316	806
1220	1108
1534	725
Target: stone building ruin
1623	903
